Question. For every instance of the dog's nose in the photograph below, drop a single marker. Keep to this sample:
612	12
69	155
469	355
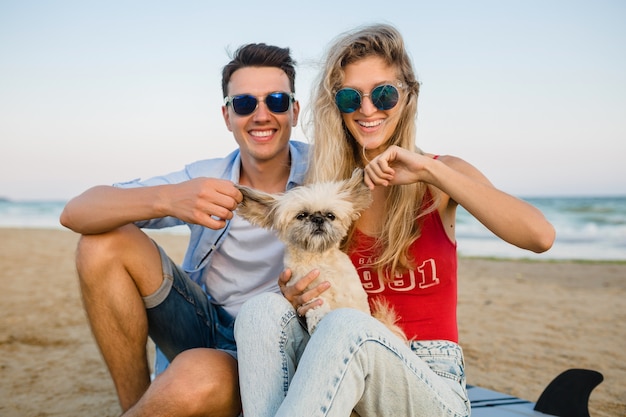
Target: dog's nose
317	219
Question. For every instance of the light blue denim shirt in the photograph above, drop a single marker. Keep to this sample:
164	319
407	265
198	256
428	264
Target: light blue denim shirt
204	241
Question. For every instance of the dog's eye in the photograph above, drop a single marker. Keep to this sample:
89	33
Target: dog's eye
330	216
303	215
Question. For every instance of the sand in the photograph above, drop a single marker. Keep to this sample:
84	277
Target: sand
521	323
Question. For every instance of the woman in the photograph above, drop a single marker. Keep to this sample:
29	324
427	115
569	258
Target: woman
403	246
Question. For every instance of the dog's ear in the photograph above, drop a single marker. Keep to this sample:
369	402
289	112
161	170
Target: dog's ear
360	194
257	206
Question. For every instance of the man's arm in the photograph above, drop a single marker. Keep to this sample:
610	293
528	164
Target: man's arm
205	201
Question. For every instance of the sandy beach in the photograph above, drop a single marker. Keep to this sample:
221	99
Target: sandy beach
521	324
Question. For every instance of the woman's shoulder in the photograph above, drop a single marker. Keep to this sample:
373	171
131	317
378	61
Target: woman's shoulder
447	159
454	162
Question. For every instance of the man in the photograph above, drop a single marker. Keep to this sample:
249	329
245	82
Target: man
132	290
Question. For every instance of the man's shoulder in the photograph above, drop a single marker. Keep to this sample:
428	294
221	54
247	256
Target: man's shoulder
299	149
213	167
299	145
299	163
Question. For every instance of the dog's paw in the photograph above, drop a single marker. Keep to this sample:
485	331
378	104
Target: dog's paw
314	316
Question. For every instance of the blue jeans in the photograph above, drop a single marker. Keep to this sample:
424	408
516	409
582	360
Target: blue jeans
352	362
181	316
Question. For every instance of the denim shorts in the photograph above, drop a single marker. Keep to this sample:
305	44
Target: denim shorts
182	316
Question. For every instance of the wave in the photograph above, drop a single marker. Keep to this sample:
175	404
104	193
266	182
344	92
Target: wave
588	228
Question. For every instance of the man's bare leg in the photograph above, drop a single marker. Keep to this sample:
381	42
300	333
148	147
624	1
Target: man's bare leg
116	269
198	382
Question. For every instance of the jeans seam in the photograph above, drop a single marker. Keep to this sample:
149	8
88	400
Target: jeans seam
284	338
387	345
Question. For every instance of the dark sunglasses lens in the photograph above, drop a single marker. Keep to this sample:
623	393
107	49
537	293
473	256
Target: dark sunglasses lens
278	102
385	97
244	105
348	100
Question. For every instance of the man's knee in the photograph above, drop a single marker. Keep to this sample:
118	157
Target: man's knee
119	251
206	378
101	247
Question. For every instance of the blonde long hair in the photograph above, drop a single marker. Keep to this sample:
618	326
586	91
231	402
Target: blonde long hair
335	153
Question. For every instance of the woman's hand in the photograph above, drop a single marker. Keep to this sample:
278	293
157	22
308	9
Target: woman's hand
395	166
297	294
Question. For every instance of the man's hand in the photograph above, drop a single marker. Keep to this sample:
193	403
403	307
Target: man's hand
209	202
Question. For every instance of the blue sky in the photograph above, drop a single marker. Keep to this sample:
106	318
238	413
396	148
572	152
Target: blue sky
531	92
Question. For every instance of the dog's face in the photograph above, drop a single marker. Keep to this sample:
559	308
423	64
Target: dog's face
315	217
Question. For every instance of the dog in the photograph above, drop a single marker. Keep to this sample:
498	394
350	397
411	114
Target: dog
311	221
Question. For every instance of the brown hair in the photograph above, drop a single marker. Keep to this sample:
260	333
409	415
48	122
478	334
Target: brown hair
260	55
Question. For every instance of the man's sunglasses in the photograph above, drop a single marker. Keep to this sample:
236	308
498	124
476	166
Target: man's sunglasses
245	104
384	97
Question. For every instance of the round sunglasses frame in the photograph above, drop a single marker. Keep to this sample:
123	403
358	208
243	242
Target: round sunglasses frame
351	104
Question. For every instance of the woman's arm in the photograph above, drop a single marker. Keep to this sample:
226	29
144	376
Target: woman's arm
513	220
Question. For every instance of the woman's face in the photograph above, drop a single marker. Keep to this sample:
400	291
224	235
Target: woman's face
372	128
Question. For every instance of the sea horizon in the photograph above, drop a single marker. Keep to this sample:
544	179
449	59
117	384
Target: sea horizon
589	228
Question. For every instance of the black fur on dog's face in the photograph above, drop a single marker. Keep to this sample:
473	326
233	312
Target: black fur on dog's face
315	217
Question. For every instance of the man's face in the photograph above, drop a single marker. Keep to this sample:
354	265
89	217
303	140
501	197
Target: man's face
262	135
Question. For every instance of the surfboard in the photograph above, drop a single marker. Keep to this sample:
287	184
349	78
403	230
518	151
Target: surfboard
566	396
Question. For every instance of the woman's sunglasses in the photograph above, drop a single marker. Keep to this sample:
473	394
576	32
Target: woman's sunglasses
384	97
245	104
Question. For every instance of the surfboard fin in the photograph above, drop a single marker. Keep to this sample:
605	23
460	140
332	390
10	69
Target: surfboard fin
568	394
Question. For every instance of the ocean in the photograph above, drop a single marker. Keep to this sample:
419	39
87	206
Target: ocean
588	228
